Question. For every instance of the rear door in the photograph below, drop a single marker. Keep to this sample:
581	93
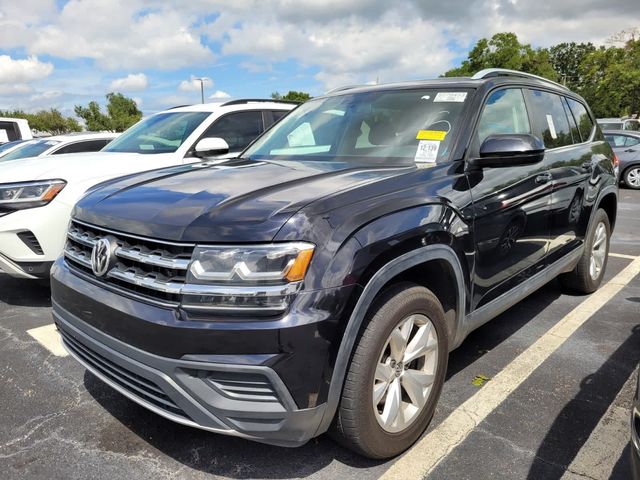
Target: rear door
562	123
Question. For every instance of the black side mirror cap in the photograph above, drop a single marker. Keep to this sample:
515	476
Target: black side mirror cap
509	150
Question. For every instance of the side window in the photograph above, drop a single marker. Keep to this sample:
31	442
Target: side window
585	124
504	112
575	132
79	147
549	119
632	125
631	141
11	131
238	129
616	140
278	115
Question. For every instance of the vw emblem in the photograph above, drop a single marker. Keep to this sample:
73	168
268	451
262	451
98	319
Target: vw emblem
102	256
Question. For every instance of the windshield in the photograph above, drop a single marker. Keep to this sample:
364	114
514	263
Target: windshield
160	133
375	127
30	149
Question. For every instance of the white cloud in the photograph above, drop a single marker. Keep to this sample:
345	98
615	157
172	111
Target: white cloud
46	96
122	34
134	82
193	84
23	70
219	94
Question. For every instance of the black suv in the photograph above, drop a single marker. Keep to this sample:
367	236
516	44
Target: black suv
319	281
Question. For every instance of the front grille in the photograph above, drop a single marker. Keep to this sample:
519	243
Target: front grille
30	240
128	380
149	268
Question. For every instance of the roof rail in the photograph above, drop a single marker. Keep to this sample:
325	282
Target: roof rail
344	87
504	72
179	106
257	100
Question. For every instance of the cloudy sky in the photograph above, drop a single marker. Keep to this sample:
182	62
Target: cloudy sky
57	53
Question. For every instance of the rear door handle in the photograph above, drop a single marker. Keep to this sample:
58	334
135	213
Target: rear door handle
543	178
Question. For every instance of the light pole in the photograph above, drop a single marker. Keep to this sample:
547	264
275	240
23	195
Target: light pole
201	80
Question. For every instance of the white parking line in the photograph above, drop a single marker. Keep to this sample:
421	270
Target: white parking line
601	451
49	338
439	442
622	255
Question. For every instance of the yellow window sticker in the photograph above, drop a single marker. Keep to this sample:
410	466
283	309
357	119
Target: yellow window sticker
431	135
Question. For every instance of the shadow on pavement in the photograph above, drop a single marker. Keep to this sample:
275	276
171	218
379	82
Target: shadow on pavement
24	293
581	415
496	331
219	454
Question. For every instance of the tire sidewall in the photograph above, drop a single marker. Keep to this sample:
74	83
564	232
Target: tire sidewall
412	300
600	217
626	174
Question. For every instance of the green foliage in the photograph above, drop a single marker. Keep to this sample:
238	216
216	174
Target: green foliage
46	121
608	78
292	96
504	50
122	112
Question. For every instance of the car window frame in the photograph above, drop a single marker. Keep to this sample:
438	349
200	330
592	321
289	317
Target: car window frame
594	123
528	98
192	149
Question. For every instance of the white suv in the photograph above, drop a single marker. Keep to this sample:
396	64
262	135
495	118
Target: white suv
55	145
38	194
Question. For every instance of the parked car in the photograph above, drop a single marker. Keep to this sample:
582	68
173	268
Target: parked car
319	281
38	194
626	145
58	145
632	124
12	129
635	434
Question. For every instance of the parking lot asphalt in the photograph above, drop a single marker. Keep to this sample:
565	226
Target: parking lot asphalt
541	392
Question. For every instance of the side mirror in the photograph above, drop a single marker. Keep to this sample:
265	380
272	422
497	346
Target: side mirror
509	150
208	147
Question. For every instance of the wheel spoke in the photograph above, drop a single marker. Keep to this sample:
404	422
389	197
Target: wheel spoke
392	403
420	344
379	389
415	383
383	372
397	343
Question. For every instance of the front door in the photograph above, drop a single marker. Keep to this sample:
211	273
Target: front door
511	226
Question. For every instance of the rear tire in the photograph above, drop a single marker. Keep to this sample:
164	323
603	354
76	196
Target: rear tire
587	276
377	382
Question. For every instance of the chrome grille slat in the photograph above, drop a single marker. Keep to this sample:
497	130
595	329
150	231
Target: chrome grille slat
145	268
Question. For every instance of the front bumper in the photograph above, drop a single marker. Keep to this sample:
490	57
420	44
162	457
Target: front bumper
48	225
262	380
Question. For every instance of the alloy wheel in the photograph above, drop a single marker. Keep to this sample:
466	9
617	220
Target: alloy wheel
633	177
598	251
405	373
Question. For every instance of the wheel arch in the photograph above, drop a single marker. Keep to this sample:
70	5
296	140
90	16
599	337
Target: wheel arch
408	266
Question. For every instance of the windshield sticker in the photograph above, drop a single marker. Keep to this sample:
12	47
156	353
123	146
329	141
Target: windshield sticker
431	135
450	97
427	151
552	127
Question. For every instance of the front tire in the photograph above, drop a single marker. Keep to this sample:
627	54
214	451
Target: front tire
396	374
588	273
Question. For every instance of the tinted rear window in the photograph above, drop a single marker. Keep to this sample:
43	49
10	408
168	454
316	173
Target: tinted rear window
550	119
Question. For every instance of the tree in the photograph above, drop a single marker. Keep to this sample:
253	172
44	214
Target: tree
566	59
292	96
504	50
46	121
122	112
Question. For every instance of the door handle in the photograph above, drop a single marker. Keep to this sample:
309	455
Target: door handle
629	150
543	178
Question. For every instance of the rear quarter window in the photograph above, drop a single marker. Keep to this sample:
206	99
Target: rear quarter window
584	121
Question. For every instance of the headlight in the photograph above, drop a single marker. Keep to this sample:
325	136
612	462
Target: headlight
256	278
17	196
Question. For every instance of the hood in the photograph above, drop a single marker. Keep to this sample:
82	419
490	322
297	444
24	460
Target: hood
79	166
235	201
